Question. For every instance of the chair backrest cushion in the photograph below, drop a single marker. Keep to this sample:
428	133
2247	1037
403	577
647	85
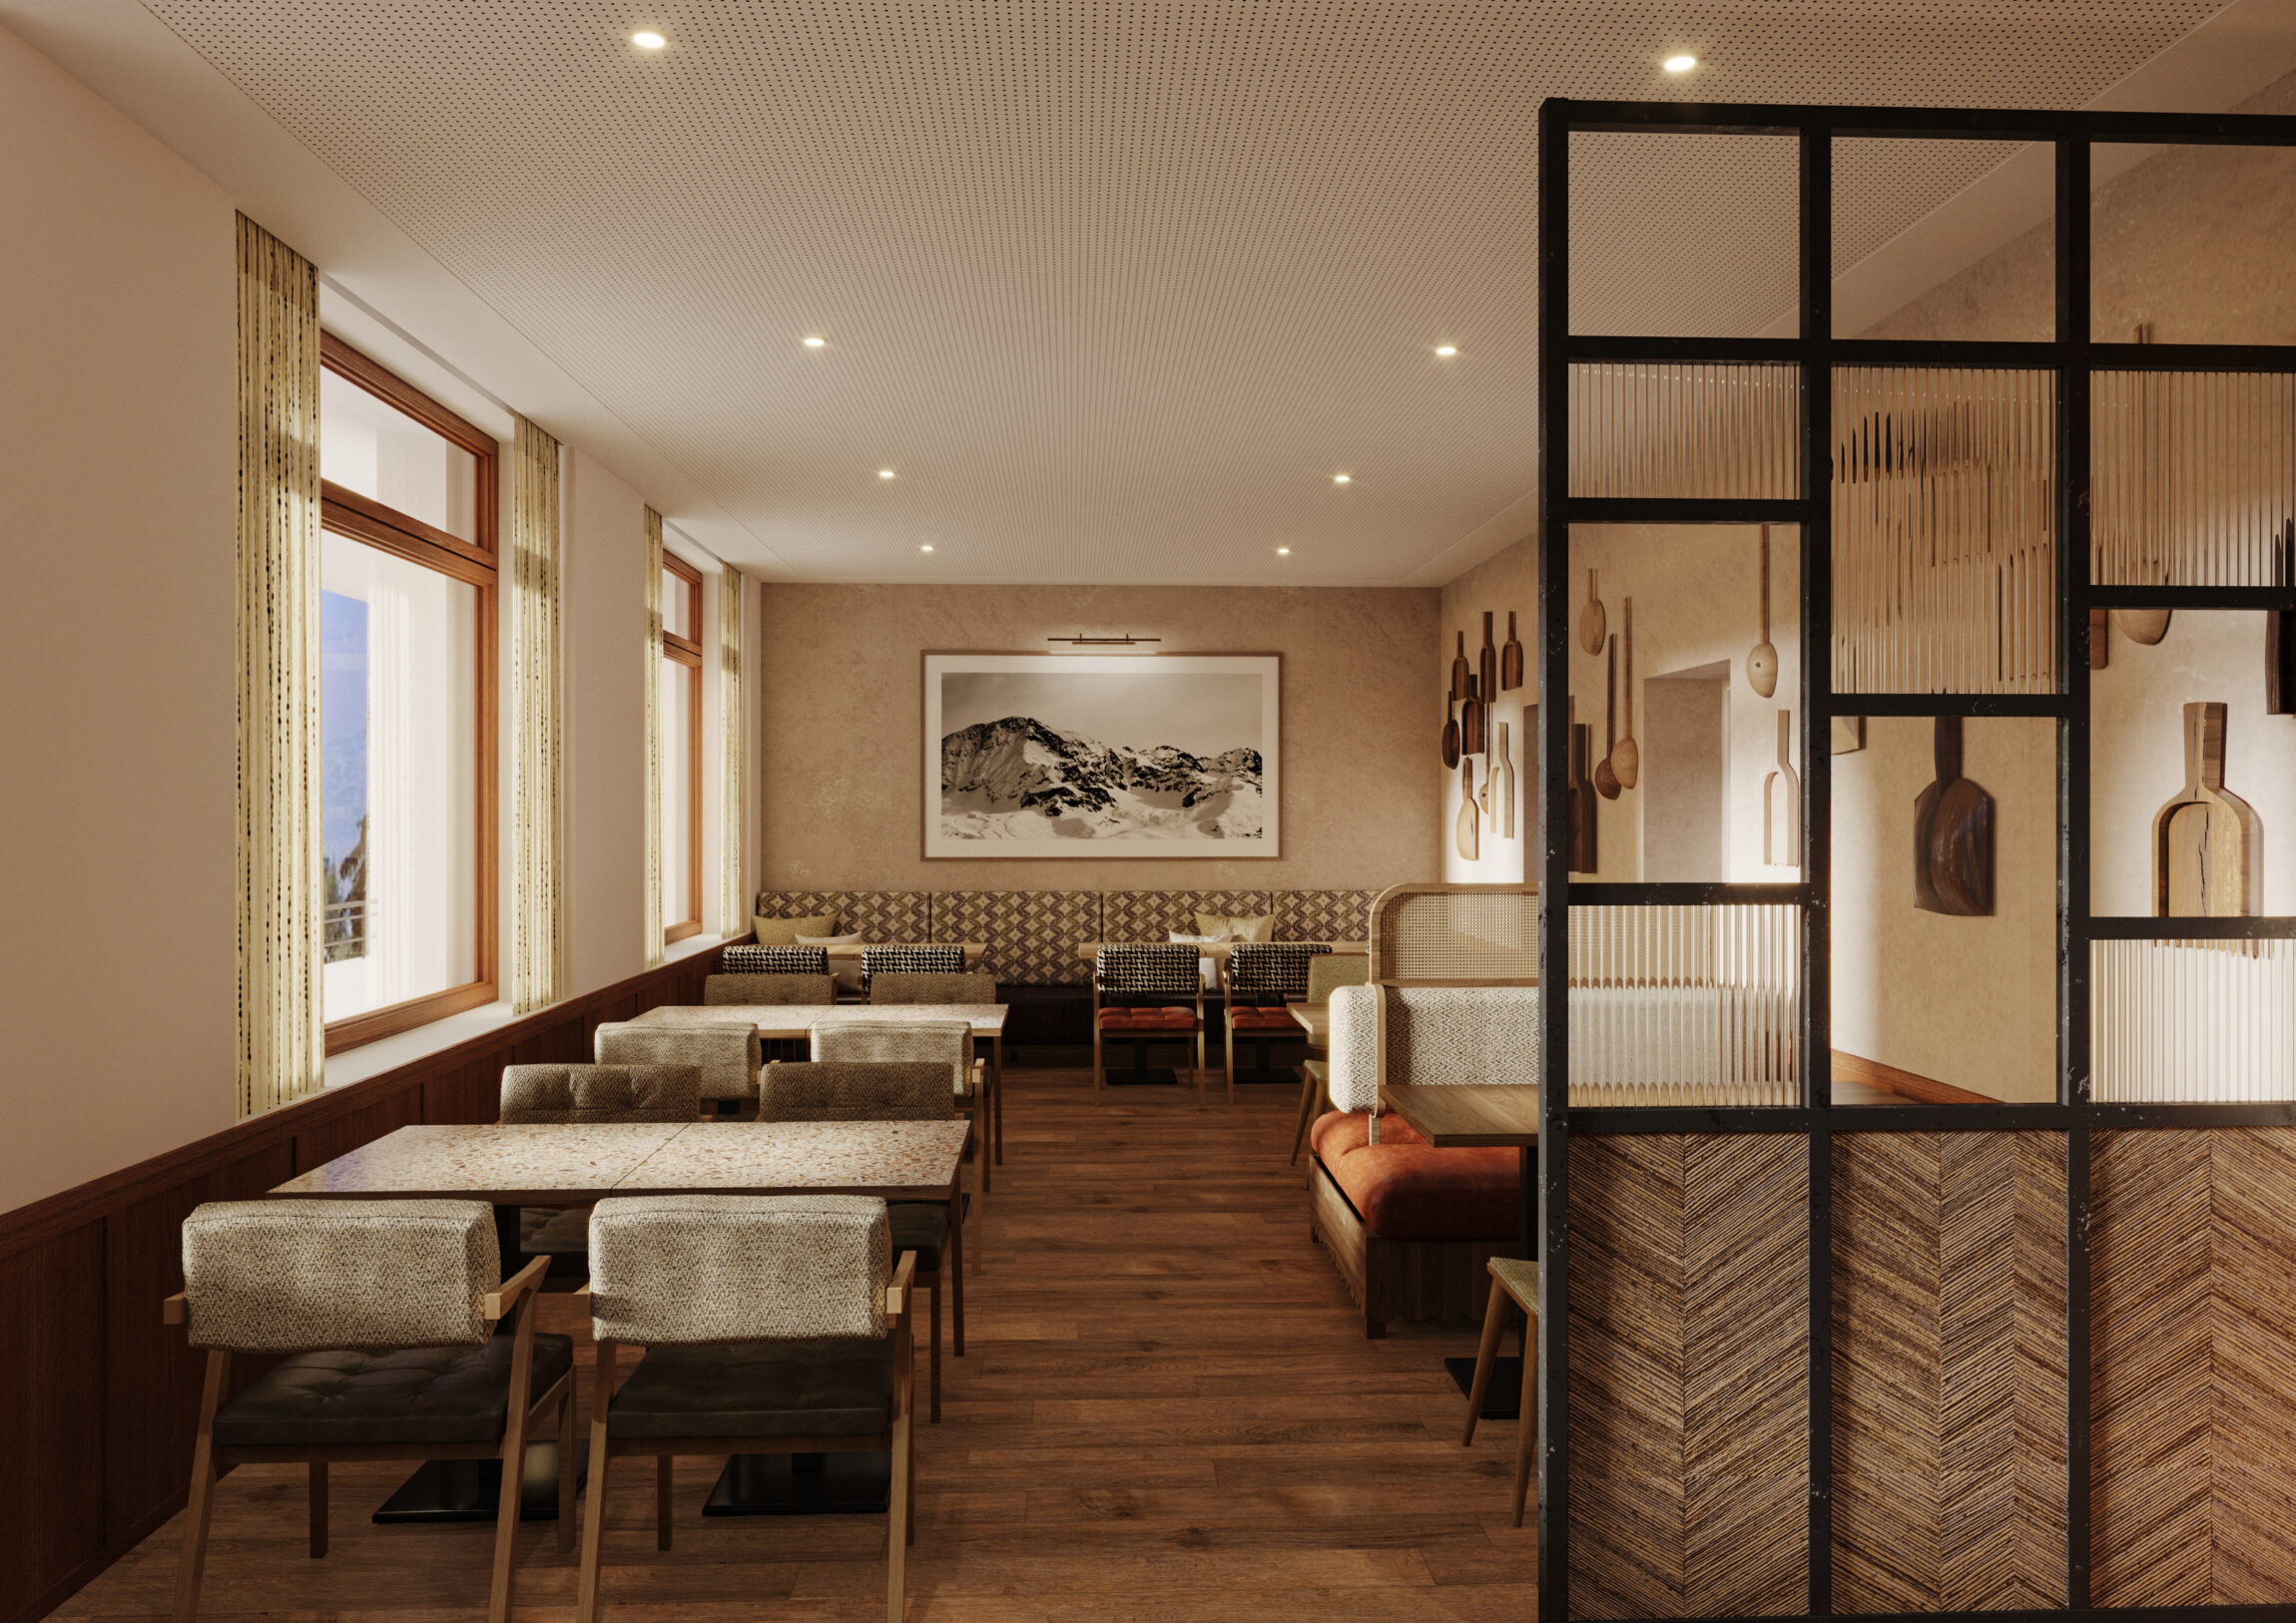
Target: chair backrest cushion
725	1053
899	986
600	1093
855	1090
308	1275
1437	1035
672	1269
1334	970
1279	967
790	988
750	959
949	1042
921	959
1149	969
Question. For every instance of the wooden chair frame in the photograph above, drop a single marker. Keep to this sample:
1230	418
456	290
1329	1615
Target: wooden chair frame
897	1438
1140	1043
1496	1315
211	1462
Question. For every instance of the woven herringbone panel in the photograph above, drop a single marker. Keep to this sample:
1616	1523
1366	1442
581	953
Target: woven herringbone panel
1151	915
1689	1343
1949	1372
2192	1325
1323	915
879	915
1031	935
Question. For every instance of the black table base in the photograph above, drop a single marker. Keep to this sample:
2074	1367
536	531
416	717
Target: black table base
802	1485
1502	1399
471	1489
1143	1077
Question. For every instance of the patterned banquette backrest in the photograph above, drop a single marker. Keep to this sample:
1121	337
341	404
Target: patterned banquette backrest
1031	935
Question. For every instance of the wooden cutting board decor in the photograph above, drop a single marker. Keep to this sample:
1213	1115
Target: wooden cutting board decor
1953	836
2207	843
1510	658
1502	803
1470	845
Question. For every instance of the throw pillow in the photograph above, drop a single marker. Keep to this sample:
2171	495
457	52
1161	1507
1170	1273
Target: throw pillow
1210	966
785	931
1241	927
845	972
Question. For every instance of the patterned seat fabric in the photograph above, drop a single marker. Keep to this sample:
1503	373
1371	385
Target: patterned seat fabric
1149	970
1268	971
900	987
725	1053
1323	915
944	1042
680	1269
804	987
600	1093
750	959
909	960
1152	916
1327	976
855	1091
1435	1035
1031	936
877	915
305	1276
434	1395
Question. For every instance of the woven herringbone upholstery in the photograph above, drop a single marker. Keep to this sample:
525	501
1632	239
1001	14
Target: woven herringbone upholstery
891	987
1279	968
672	1269
1329	973
292	1275
751	959
771	990
909	960
600	1093
852	1090
948	1042
726	1054
1435	1035
1150	970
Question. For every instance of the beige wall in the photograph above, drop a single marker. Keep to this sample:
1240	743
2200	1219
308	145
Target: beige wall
842	729
1506	581
117	451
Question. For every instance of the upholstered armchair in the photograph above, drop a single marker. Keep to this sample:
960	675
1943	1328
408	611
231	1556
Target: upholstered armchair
724	990
1325	976
771	1324
944	1042
920	959
554	1094
748	958
1143	993
385	1311
902	986
1258	983
725	1054
885	1091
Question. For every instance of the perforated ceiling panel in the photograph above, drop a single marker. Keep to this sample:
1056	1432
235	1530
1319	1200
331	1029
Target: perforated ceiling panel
1114	288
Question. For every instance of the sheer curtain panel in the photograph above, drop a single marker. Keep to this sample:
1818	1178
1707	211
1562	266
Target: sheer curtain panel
539	946
655	947
280	1050
734	899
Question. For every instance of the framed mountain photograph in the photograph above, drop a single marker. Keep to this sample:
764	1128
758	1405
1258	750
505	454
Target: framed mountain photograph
1101	755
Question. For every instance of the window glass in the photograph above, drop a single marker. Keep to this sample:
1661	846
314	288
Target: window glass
371	448
678	900
677	605
398	712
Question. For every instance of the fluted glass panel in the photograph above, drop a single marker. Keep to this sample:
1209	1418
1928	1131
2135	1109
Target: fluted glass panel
1944	535
2193	479
1680	431
1686	1005
2192	1023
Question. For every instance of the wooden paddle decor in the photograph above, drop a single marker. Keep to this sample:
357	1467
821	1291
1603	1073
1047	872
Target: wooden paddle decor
1451	734
1762	663
1625	756
1605	779
1510	658
1593	626
1464	829
1581	795
1459	670
1953	836
1472	726
2207	843
1782	802
1503	808
1488	668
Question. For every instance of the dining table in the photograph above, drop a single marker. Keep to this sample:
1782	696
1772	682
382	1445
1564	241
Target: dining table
513	1166
793	1022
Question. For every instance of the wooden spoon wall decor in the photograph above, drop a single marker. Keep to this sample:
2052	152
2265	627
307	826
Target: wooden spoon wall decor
2207	843
1510	658
1489	668
1474	726
1762	663
2146	626
1953	834
1782	802
1593	625
1625	756
1451	734
1605	778
1458	675
1470	846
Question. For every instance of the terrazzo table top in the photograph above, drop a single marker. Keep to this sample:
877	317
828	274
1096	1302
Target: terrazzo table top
798	1019
570	1165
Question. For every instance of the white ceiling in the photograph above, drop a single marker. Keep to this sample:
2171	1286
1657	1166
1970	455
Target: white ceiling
1115	286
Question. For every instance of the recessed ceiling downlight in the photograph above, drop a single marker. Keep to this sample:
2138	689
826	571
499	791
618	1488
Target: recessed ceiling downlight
647	40
884	473
1341	478
816	343
1680	64
1283	552
1446	350
927	547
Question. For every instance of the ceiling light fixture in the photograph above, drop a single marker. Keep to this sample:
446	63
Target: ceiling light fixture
1104	642
1446	350
1283	552
884	473
1341	478
927	547
647	40
1680	64
816	343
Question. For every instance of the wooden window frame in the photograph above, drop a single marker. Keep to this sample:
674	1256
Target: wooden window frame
360	518
687	652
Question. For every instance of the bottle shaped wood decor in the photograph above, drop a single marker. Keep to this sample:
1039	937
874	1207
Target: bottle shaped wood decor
1580	792
1502	803
2207	843
1782	802
1953	834
1450	733
1471	722
1468	822
1488	666
1459	670
1510	658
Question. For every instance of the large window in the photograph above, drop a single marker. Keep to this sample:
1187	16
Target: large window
406	619
681	785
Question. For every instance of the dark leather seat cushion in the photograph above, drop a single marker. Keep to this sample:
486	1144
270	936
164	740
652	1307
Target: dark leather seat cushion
1278	1021
545	1231
758	1390
920	1228
1164	1019
409	1394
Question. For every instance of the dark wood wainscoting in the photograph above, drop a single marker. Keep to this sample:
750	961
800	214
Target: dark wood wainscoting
96	1400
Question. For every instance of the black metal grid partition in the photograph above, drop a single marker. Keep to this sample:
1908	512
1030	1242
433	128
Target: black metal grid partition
2070	358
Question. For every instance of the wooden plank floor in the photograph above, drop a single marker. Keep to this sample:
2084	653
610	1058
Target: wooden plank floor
1167	1410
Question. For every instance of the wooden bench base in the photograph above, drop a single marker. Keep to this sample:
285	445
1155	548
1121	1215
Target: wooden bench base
1419	1281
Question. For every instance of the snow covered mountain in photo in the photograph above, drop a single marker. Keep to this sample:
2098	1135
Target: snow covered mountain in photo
1019	780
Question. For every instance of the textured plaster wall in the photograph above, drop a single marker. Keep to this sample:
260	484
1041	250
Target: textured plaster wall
1506	581
842	729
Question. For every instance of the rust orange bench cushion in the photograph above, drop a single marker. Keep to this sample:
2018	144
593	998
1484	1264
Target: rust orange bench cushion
1153	1019
1406	1189
1278	1021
